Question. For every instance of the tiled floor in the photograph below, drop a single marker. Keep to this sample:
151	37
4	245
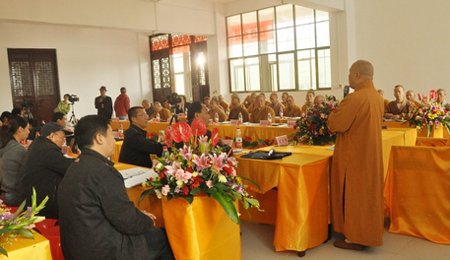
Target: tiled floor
257	244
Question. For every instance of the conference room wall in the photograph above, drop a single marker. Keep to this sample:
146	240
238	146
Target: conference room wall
87	59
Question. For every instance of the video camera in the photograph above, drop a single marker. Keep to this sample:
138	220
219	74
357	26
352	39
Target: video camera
173	99
74	98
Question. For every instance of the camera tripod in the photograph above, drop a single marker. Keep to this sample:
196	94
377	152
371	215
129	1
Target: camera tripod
72	117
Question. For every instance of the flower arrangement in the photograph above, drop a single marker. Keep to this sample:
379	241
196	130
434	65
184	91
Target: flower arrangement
19	223
313	127
152	136
201	167
429	114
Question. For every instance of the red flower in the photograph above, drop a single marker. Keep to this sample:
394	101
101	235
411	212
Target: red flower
247	188
185	190
151	178
247	139
162	175
194	185
228	169
198	127
215	136
295	138
181	132
168	136
189	169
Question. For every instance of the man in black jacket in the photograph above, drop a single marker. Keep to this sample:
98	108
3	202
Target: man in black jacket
97	218
44	167
103	104
136	148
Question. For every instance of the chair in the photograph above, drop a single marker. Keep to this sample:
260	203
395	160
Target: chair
434	142
50	230
417	194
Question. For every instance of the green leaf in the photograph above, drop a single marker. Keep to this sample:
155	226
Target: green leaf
3	251
196	191
249	180
429	130
190	198
227	206
145	193
26	233
253	202
20	209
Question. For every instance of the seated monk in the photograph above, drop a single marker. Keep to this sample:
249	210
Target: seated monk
399	108
237	108
275	105
222	103
386	101
164	113
261	111
214	103
231	103
292	110
251	105
319	100
206	100
284	99
310	95
411	97
266	102
441	97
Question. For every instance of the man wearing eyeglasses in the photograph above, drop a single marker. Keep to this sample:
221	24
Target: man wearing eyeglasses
44	167
136	148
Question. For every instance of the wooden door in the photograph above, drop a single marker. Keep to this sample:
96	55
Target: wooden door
161	71
34	79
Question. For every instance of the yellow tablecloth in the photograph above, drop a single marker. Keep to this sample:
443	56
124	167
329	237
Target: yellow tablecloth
151	126
29	249
201	230
440	132
255	132
416	192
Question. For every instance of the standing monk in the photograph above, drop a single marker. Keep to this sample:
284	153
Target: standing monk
357	169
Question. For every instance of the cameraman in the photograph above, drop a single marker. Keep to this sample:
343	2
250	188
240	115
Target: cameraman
64	105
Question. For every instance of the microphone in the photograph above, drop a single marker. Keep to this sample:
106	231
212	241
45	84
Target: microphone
271	152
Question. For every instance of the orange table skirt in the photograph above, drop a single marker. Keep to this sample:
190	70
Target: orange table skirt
26	248
439	132
416	192
201	230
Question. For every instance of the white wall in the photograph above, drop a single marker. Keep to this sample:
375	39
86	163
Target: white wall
87	59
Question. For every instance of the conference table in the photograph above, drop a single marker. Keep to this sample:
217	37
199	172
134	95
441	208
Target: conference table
26	248
201	230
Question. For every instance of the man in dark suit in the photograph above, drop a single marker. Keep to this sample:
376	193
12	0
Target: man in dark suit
103	104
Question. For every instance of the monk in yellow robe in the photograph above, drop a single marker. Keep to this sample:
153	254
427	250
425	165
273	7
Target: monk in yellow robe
275	104
215	109
310	95
357	168
319	100
222	103
292	110
261	111
164	113
284	99
441	97
399	108
411	97
386	101
249	100
237	108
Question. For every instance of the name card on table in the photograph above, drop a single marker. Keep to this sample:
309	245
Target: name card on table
264	123
282	140
234	123
291	123
115	119
228	142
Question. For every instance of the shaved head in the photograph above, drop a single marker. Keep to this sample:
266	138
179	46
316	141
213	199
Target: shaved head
364	67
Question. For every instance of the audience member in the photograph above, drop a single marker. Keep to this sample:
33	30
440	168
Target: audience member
261	111
182	106
319	100
4	117
399	108
12	154
292	110
35	128
97	218
64	105
199	110
310	95
357	169
122	104
411	97
16	112
252	102
223	104
167	105
60	119
385	101
441	97
237	108
26	113
164	113
233	95
284	99
215	109
275	105
266	102
148	107
136	148
206	100
44	167
249	100
103	104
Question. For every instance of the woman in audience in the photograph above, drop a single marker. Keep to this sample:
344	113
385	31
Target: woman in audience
12	154
64	105
4	117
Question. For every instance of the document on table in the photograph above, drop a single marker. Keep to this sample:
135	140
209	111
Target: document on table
135	176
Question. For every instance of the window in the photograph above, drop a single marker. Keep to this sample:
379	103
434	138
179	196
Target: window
286	47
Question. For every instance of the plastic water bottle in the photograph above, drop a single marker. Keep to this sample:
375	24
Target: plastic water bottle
165	151
269	118
238	142
120	131
240	119
162	136
281	112
216	118
186	111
